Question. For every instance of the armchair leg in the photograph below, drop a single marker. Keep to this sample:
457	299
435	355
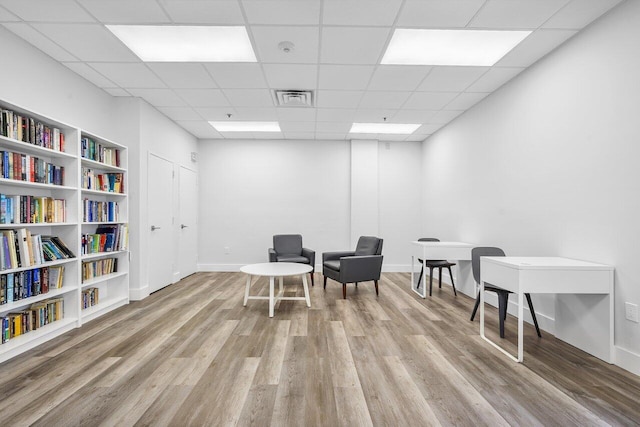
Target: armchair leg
325	282
356	284
344	291
376	282
452	284
311	274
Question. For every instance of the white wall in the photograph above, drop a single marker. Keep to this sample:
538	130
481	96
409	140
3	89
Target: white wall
251	190
548	165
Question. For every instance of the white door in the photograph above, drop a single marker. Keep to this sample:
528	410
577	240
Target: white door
188	233
160	206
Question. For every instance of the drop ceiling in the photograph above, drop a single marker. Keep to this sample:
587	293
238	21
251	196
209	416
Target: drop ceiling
338	45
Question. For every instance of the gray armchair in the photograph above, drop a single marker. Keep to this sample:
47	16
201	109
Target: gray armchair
361	265
288	248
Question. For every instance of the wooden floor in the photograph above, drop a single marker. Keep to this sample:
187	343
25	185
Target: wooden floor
191	354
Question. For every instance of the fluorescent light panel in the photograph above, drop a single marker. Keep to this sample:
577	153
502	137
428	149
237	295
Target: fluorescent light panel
167	43
246	126
450	47
386	128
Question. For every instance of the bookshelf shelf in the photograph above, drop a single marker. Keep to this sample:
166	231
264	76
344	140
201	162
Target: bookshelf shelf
106	159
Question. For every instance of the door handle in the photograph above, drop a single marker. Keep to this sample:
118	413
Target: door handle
154	228
182	226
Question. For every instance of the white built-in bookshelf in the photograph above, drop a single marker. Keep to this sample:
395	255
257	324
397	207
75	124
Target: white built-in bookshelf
74	189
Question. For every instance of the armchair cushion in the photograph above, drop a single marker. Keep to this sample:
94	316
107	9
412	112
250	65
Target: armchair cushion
292	258
369	245
287	244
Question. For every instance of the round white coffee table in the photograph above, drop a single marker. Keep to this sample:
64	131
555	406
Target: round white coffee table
280	270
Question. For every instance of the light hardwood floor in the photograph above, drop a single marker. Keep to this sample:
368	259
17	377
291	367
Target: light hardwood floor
191	354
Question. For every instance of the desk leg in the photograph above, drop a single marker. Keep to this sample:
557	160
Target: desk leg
246	290
414	287
305	286
520	326
271	297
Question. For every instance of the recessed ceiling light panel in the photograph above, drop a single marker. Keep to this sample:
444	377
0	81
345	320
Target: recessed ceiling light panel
386	128
246	126
169	43
450	47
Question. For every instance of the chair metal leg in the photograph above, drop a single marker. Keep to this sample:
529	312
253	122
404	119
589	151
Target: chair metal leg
533	314
376	282
503	299
430	280
440	277
420	277
344	291
453	284
475	307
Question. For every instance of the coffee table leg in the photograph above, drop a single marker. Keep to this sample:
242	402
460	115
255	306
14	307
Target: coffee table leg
246	290
271	298
280	280
306	290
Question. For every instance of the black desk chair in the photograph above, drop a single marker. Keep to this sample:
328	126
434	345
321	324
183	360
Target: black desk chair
434	263
503	294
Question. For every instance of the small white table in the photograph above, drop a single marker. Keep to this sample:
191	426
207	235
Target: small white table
584	323
280	270
458	251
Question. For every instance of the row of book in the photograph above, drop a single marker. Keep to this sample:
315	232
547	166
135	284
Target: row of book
38	315
97	268
97	211
27	209
92	150
90	297
107	238
111	182
27	168
19	248
27	129
30	283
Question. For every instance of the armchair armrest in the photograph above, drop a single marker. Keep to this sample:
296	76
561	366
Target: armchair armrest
311	256
272	255
332	256
360	268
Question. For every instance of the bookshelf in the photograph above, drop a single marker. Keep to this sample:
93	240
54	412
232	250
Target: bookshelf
46	194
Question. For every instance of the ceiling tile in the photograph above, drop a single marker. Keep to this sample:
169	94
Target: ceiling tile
159	97
238	135
47	10
438	13
335	114
88	42
255	114
296	114
391	137
41	42
182	75
333	127
372	116
330	136
534	47
215	113
515	14
429	100
268	135
380	100
579	13
305	40
299	135
126	11
412	116
291	76
465	101
219	12
427	129
493	79
237	75
451	79
339	98
360	12
397	77
287	12
415	138
116	91
199	129
348	77
249	97
128	75
180	113
6	16
443	117
203	97
342	45
90	74
297	126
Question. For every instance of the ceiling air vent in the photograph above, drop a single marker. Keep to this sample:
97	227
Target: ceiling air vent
293	98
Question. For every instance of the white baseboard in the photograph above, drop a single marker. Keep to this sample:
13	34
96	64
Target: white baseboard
138	294
627	360
219	267
396	268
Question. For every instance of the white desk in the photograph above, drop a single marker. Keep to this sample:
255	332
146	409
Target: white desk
446	251
583	321
280	270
